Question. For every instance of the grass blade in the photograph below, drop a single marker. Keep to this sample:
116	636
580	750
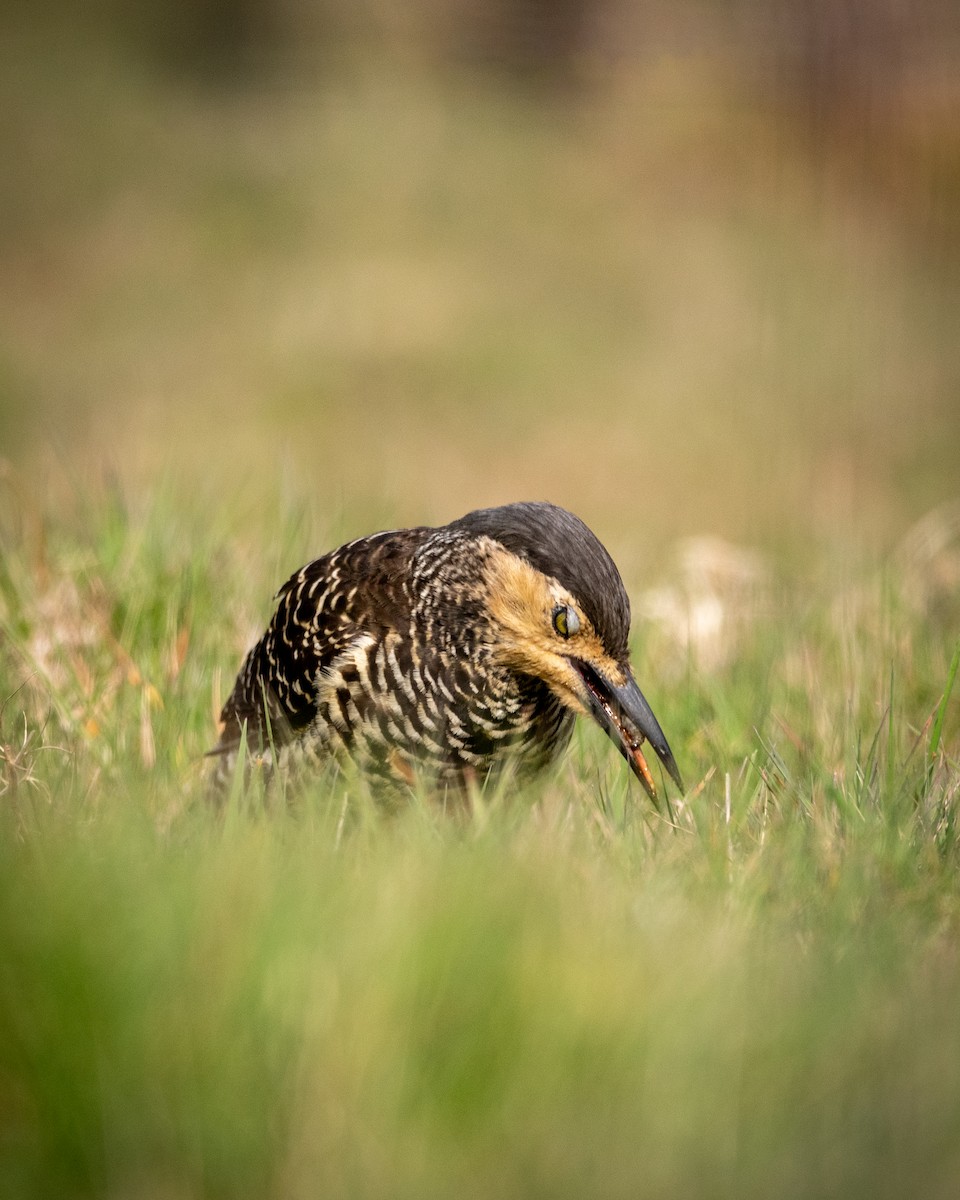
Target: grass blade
936	733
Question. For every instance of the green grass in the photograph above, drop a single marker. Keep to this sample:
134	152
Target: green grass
552	992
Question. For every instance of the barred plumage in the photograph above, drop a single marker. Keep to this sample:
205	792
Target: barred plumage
442	650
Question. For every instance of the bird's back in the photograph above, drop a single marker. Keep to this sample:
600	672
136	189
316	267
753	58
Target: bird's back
327	609
365	655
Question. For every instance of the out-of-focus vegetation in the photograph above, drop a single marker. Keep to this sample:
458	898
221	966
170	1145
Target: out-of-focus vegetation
275	274
697	264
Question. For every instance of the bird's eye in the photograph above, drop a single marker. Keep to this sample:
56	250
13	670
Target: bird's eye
565	621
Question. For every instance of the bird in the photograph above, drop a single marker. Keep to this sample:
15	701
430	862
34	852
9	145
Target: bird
450	651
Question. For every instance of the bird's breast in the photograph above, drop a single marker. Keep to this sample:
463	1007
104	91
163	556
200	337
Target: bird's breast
438	710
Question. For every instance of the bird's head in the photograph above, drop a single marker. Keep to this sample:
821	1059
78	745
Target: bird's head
561	614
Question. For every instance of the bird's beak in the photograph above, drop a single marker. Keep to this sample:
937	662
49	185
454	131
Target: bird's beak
626	717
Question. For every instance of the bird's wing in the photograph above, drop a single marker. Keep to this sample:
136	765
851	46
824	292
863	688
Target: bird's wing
327	606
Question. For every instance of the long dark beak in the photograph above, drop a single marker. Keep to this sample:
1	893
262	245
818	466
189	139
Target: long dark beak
628	720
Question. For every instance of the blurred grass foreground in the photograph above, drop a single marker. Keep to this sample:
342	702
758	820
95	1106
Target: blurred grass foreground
275	274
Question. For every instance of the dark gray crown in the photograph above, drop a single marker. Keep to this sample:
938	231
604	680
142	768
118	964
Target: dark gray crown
558	543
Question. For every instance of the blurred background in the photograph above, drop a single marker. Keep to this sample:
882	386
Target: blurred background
685	267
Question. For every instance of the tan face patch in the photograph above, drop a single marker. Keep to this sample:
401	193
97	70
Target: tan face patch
522	602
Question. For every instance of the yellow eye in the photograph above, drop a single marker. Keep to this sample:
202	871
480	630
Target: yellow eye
565	621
